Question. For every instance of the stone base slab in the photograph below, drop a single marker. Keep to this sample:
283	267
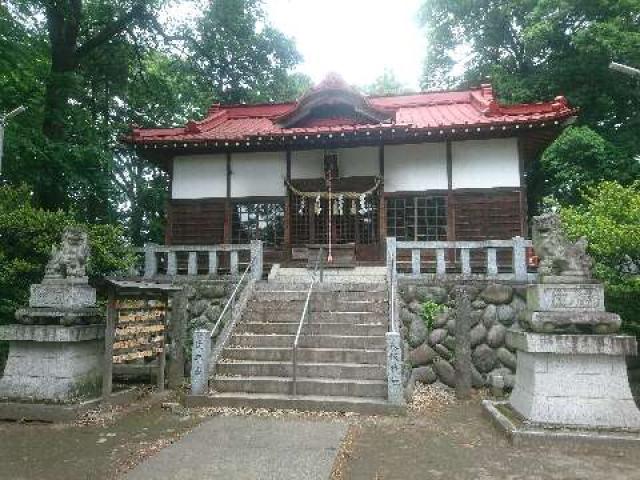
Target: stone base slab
62	295
585	322
525	435
583	383
53	371
59	316
547	297
51	333
572	344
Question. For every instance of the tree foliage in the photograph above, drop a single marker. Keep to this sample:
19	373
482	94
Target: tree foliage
88	69
537	49
609	217
386	84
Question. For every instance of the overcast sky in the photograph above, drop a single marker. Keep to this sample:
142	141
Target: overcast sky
355	38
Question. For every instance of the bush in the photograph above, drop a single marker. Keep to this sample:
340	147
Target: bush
26	236
610	220
430	310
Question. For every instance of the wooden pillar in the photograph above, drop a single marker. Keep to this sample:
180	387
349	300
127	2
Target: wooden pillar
287	208
227	205
382	208
451	199
523	188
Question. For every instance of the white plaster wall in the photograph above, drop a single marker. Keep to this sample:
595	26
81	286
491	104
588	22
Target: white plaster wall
352	162
415	167
485	163
307	164
199	176
258	174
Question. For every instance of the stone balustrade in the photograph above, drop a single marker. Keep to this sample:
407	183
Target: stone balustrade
460	259
201	259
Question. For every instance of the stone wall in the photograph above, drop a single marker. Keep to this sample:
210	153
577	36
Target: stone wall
429	353
205	300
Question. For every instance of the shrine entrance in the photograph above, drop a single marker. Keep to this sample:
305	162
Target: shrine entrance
349	217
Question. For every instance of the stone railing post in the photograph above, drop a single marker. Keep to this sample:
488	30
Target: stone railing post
213	262
415	262
391	255
150	260
172	263
200	353
257	259
492	264
519	259
441	266
192	266
465	261
233	262
395	390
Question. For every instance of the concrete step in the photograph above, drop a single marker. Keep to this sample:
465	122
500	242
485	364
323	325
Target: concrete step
310	355
318	305
320	295
309	370
321	287
362	318
305	386
316	341
312	328
364	406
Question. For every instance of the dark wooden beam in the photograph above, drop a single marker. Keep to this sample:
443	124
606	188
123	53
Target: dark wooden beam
287	208
227	206
451	199
382	208
523	187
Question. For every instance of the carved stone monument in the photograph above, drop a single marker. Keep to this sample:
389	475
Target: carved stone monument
571	369
55	352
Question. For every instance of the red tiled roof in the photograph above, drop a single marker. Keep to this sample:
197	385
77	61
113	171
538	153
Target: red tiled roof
474	108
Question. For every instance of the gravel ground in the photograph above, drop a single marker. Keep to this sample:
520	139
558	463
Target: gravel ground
443	438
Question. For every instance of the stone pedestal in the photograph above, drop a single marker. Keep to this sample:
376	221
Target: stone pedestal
574	380
52	363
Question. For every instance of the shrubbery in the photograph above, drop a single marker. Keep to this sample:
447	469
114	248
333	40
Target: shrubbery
26	236
609	218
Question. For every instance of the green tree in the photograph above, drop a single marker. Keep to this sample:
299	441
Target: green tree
580	158
609	217
536	49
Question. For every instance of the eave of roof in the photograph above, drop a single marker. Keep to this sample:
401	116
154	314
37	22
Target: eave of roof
427	114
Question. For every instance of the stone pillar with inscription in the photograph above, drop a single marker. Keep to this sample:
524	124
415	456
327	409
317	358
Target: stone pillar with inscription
55	348
571	368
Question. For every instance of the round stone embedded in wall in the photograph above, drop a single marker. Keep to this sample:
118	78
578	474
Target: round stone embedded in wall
433	294
478	334
446	373
497	294
417	331
437	336
424	375
506	314
507	358
484	358
490	316
423	355
496	335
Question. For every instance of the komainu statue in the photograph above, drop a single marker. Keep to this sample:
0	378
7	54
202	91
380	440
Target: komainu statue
558	256
69	261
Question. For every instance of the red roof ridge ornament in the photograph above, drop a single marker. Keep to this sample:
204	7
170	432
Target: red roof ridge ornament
334	93
192	127
559	103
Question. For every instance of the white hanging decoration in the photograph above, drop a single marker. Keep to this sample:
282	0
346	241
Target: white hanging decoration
363	206
341	205
301	210
353	209
318	208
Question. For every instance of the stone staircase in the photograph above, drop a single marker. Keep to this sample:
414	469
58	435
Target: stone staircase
341	354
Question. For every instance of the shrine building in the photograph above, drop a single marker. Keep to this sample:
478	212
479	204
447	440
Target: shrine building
340	167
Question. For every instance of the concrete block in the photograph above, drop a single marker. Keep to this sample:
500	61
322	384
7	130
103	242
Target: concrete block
565	297
572	344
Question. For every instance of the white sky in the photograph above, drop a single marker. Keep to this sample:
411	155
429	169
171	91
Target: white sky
355	38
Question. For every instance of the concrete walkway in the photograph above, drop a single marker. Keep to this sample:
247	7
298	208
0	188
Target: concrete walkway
250	448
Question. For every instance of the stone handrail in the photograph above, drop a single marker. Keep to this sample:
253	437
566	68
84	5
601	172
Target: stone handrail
151	251
517	245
